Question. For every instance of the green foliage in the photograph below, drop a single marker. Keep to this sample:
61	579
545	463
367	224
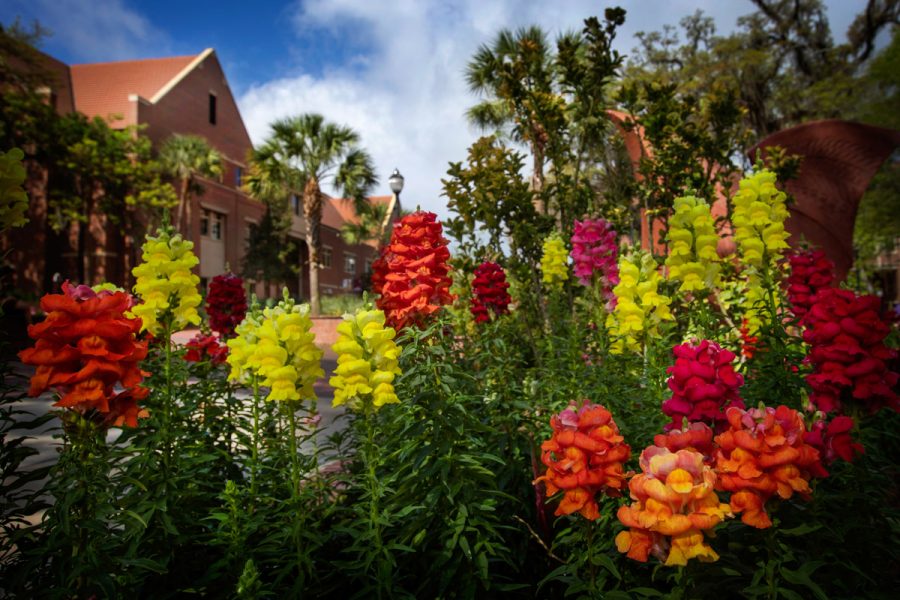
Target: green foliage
13	199
342	304
877	228
494	208
269	247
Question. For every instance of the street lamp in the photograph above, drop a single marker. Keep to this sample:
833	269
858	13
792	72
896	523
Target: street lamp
396	182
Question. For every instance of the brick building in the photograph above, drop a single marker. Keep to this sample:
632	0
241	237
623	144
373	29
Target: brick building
166	96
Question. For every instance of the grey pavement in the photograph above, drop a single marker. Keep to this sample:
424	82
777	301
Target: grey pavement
48	443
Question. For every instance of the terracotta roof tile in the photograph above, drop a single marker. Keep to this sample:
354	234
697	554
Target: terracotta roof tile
102	89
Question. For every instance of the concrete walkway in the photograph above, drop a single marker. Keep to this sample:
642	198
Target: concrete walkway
48	445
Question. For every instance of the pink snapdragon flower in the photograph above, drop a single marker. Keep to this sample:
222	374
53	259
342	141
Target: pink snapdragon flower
595	250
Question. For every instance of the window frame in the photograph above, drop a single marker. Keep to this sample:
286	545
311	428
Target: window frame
350	257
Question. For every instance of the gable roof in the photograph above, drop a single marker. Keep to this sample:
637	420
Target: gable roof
102	89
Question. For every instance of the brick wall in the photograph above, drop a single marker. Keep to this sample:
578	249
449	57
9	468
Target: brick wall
185	109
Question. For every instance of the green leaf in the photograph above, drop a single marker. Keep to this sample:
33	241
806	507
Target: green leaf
645	592
607	563
464	545
801	529
802	577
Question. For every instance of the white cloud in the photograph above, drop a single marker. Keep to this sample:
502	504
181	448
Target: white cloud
96	30
407	97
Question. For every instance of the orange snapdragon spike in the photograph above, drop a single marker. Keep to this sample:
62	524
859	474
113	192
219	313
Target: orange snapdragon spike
411	275
763	454
693	436
674	503
584	456
84	349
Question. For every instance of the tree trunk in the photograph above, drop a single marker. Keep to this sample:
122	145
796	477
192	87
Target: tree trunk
182	204
188	211
537	179
312	209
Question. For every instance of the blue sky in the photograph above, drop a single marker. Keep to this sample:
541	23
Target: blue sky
391	70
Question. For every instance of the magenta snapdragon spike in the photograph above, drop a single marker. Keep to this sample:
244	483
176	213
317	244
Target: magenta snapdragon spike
704	384
595	251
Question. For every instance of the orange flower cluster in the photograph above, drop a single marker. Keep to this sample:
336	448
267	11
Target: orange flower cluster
411	276
675	502
763	454
584	456
84	348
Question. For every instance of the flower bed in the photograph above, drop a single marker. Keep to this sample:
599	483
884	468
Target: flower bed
689	425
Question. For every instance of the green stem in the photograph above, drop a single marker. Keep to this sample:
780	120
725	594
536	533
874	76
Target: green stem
295	486
292	441
319	483
770	568
85	449
374	524
254	448
167	407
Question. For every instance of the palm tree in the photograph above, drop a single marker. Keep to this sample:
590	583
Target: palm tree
183	157
514	76
372	225
304	153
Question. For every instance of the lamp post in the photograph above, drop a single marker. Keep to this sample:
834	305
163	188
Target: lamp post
396	183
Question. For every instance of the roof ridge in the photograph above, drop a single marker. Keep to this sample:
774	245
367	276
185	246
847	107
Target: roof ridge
136	60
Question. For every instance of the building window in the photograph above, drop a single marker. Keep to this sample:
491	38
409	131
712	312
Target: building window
248	233
349	264
295	204
369	262
212	109
238	173
212	225
325	258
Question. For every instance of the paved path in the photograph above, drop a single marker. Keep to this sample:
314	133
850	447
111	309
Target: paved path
46	441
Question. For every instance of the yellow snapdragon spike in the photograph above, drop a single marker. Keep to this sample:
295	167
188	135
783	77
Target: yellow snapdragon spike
693	259
278	347
367	361
554	266
759	211
166	284
640	308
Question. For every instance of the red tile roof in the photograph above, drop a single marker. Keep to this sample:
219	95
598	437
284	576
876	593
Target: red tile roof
102	89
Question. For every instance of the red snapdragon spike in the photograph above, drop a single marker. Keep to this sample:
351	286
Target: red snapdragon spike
202	347
703	383
585	456
833	440
85	348
749	343
850	361
226	303
489	295
761	454
411	275
811	271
